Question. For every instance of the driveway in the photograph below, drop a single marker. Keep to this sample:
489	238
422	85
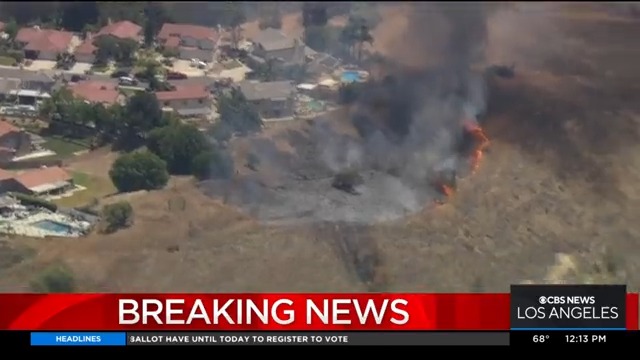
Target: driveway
184	66
80	68
38	65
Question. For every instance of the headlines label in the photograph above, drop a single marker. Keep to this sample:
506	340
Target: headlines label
593	307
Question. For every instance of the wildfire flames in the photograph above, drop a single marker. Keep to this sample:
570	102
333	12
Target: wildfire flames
479	143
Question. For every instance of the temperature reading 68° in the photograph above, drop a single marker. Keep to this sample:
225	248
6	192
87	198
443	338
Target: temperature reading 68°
540	338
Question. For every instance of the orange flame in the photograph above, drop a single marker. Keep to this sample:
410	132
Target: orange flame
481	141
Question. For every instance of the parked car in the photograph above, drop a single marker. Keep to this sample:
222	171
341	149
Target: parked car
120	73
76	78
127	81
173	75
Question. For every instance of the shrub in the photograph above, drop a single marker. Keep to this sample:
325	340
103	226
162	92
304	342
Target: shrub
35	201
54	279
117	216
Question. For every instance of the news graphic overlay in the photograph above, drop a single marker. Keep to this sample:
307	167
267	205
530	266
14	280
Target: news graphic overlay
567	313
568	307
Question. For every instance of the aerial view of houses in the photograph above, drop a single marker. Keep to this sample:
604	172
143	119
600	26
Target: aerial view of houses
94	110
66	92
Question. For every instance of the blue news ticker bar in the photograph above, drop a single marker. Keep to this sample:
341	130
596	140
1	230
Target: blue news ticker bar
78	339
568	329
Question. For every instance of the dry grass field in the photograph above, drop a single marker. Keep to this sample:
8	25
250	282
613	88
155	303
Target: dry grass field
557	197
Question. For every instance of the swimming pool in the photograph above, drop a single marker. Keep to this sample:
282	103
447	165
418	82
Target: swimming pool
349	76
53	226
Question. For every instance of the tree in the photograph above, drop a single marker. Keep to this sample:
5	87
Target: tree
236	113
314	14
213	164
121	51
237	17
117	216
140	170
75	15
314	20
141	115
178	145
55	279
355	35
316	37
156	16
11	29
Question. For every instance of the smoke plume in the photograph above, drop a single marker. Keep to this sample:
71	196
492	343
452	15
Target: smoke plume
409	131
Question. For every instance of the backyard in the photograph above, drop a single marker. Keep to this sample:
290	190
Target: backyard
65	147
96	187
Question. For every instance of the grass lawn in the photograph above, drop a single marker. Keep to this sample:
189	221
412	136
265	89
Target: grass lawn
96	188
64	147
7	61
232	64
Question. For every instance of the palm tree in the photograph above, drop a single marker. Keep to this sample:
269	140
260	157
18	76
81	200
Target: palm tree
355	35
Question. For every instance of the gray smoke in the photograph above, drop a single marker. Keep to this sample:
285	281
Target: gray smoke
409	127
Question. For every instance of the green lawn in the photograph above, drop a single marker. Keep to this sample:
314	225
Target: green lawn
7	61
96	188
64	147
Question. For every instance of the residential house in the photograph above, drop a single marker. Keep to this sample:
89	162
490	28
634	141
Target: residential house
6	180
39	81
273	44
86	51
122	30
191	41
275	99
13	141
23	86
44	44
97	92
192	100
40	182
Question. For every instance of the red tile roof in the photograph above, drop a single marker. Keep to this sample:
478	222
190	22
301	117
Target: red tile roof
86	47
44	39
184	92
172	41
187	30
4	174
122	29
42	176
96	91
7	127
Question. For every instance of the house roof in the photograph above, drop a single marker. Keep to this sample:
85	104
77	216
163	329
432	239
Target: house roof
187	30
273	39
96	91
254	90
122	29
4	174
172	41
184	92
44	39
7	127
9	84
36	178
87	47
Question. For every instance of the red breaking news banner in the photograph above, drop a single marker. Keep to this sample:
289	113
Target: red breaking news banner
263	312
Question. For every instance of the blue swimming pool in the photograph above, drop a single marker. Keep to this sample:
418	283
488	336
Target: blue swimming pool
350	76
53	226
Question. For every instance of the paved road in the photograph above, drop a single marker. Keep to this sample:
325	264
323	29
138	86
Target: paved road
11	72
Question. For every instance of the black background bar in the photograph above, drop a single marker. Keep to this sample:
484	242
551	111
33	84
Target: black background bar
574	338
542	338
